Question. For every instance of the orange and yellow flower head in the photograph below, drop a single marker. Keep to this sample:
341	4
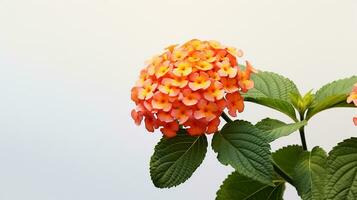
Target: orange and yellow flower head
190	86
353	98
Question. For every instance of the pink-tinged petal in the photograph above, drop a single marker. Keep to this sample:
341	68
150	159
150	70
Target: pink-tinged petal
155	104
198	114
151	70
355	120
222	73
183	119
189	102
150	123
250	67
165	117
141	94
193	76
174	92
232	112
206	84
147	105
166	81
349	99
177	72
209	97
137	117
352	98
149	95
163	89
167	107
194	86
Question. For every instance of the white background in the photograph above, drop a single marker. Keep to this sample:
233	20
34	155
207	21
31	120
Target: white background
66	69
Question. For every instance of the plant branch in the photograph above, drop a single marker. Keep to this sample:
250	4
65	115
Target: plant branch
276	167
282	174
302	134
226	117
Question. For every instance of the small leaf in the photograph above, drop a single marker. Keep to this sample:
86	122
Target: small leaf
342	171
275	129
272	90
175	159
310	174
242	145
302	103
276	104
283	158
332	95
239	187
306	169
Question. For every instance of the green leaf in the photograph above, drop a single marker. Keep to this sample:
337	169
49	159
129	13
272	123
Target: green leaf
342	171
275	129
302	103
272	90
306	169
332	95
310	173
283	158
175	159
276	104
239	187
242	145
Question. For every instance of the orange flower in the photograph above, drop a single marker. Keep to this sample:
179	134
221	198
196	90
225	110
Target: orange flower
162	69
244	78
147	91
189	98
189	86
137	116
181	113
182	69
230	85
353	95
204	65
214	92
353	98
206	110
226	69
167	87
199	81
164	116
170	129
161	102
213	125
196	127
234	103
178	55
150	122
179	81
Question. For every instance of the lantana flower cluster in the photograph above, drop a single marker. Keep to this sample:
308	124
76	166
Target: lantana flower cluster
353	98
189	86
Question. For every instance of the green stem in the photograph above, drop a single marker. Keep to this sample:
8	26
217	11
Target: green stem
282	174
302	134
226	117
276	167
